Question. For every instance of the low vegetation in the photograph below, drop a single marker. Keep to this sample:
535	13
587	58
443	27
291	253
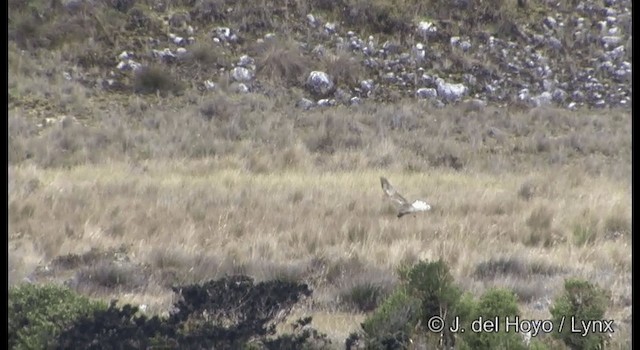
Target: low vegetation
234	312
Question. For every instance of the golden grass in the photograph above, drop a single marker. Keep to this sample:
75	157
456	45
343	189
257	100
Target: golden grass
200	222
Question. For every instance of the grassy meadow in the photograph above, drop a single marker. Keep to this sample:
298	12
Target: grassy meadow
187	221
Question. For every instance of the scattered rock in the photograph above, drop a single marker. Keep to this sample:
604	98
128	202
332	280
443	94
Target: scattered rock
426	93
319	83
450	92
305	104
241	74
325	102
539	66
426	29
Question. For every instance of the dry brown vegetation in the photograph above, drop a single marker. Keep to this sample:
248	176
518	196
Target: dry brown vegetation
187	194
122	196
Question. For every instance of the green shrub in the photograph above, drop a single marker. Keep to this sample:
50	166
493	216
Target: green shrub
37	314
581	301
433	285
495	303
390	326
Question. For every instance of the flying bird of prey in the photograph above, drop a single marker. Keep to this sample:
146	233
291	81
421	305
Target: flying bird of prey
405	206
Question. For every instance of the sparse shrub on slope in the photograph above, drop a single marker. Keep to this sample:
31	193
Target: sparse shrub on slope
427	291
303	337
230	313
237	300
391	325
500	303
151	80
37	314
281	61
581	301
434	286
115	328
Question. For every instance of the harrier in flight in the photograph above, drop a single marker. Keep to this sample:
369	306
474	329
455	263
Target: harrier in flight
405	206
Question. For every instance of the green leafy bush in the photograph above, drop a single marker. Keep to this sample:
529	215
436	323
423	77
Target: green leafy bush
581	301
37	314
500	304
390	326
434	286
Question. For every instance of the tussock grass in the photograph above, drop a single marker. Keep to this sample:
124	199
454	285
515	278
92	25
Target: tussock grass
153	79
281	61
190	222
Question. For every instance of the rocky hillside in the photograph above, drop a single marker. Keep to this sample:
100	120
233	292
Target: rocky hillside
569	53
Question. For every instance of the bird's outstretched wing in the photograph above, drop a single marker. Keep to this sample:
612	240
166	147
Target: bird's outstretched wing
392	193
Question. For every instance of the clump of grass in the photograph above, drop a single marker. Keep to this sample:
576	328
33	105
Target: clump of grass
527	190
617	225
379	16
530	289
344	68
209	11
363	297
540	219
356	234
207	55
218	108
337	132
514	266
540	227
121	5
294	157
341	269
585	233
281	61
288	272
107	275
153	79
72	261
545	238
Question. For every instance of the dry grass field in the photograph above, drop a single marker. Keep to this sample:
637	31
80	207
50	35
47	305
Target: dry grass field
188	221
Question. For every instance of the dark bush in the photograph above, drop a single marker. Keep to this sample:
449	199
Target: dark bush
303	337
152	79
225	314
